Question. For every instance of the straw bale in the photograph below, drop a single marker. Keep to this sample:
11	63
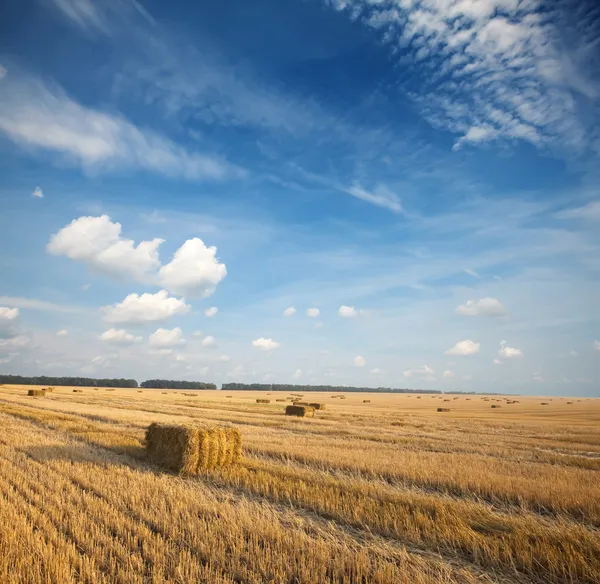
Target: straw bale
263	401
300	411
49	389
280	400
545	403
443	409
366	401
36	392
190	449
78	391
317	406
496	406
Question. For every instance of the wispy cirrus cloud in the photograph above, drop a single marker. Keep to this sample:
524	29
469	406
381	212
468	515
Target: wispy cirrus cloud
43	118
495	70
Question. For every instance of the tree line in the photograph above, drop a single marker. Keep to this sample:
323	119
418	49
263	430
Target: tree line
91	382
173	384
324	388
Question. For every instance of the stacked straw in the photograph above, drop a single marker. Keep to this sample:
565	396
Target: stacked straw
191	449
263	401
300	411
443	409
36	392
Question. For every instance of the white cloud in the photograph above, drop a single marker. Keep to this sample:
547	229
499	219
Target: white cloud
37	117
359	361
375	371
8	320
33	304
380	196
589	212
97	242
15	344
538	378
62	333
298	373
37	193
493	69
483	307
119	336
573	354
225	358
597	345
498	362
289	311
210	312
509	352
198	334
86	287
472	273
3	72
166	338
8	314
464	348
422	372
141	308
265	344
313	312
449	374
347	311
194	270
83	13
209	341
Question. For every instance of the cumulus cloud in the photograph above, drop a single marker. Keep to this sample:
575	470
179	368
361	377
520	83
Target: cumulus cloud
209	341
15	344
141	308
289	311
194	270
37	193
597	345
8	321
166	338
119	336
509	352
421	372
375	371
265	344
498	362
347	311
210	312
359	361
298	373
62	333
464	348
313	312
449	374
483	307
97	242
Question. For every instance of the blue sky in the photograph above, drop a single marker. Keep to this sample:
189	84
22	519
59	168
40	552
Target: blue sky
369	192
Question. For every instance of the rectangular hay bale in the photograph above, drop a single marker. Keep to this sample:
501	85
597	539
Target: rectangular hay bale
36	392
366	401
191	448
300	411
78	391
443	409
263	401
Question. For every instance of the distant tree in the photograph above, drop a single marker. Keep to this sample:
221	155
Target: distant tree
174	384
71	381
324	388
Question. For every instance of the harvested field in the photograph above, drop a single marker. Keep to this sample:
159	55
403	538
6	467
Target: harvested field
386	493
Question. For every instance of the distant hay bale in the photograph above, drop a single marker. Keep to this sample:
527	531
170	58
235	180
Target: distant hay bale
443	409
36	392
366	401
342	397
228	396
545	403
446	400
569	403
263	401
496	406
50	389
139	391
418	397
191	394
317	406
300	411
280	400
191	449
95	389
109	389
164	392
78	391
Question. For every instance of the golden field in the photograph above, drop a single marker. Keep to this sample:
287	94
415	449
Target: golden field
390	491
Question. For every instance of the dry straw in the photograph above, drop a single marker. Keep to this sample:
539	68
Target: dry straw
263	401
191	449
300	411
366	401
443	409
78	391
317	406
496	406
36	392
49	389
